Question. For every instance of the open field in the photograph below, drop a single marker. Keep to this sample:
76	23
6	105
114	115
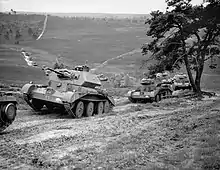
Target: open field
93	40
14	69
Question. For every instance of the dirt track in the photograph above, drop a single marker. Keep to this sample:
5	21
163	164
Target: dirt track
132	136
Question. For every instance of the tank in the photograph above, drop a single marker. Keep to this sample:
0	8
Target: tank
181	82
8	110
76	91
151	90
102	77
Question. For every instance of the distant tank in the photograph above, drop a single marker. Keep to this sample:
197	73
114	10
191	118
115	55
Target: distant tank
76	91
82	68
181	82
8	110
151	90
102	77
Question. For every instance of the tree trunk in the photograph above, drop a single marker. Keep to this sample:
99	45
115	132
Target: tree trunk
190	74
199	71
197	83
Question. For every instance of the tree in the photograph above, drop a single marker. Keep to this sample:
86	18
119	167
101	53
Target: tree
14	12
18	35
58	66
7	35
185	34
30	31
35	35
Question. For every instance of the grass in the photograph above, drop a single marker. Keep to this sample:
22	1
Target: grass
94	41
14	70
184	140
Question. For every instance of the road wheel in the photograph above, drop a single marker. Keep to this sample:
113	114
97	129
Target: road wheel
89	109
79	109
7	115
50	107
100	108
37	105
107	107
166	94
132	100
163	94
169	94
157	97
10	111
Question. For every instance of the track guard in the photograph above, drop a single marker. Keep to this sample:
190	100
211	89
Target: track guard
70	97
111	100
27	88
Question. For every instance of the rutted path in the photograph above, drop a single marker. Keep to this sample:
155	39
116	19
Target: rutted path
44	27
42	57
121	56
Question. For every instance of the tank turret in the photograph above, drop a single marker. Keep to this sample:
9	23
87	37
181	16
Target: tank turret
77	91
75	77
82	68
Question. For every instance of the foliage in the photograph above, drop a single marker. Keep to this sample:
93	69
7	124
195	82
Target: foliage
35	35
184	34
17	35
6	35
30	31
58	65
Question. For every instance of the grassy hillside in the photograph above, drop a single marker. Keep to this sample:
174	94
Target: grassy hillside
77	39
11	24
92	40
14	70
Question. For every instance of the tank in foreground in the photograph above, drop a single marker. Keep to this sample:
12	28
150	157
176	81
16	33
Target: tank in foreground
151	90
76	91
8	110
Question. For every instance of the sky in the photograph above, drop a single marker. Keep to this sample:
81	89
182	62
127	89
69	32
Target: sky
86	6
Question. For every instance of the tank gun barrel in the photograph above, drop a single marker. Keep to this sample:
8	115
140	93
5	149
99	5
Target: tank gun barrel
59	73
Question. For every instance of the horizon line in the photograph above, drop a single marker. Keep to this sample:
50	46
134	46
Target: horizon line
79	12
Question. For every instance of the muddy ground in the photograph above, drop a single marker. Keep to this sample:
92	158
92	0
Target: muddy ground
173	134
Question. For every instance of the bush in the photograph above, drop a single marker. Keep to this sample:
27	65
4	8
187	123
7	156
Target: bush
58	66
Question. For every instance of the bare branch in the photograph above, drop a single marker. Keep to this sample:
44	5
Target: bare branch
197	36
208	58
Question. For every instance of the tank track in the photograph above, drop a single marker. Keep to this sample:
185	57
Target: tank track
3	125
26	98
68	109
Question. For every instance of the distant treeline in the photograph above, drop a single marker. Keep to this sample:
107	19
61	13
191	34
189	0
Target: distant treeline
15	26
131	19
98	17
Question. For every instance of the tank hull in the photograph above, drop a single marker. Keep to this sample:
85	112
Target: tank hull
152	96
182	86
181	82
64	100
